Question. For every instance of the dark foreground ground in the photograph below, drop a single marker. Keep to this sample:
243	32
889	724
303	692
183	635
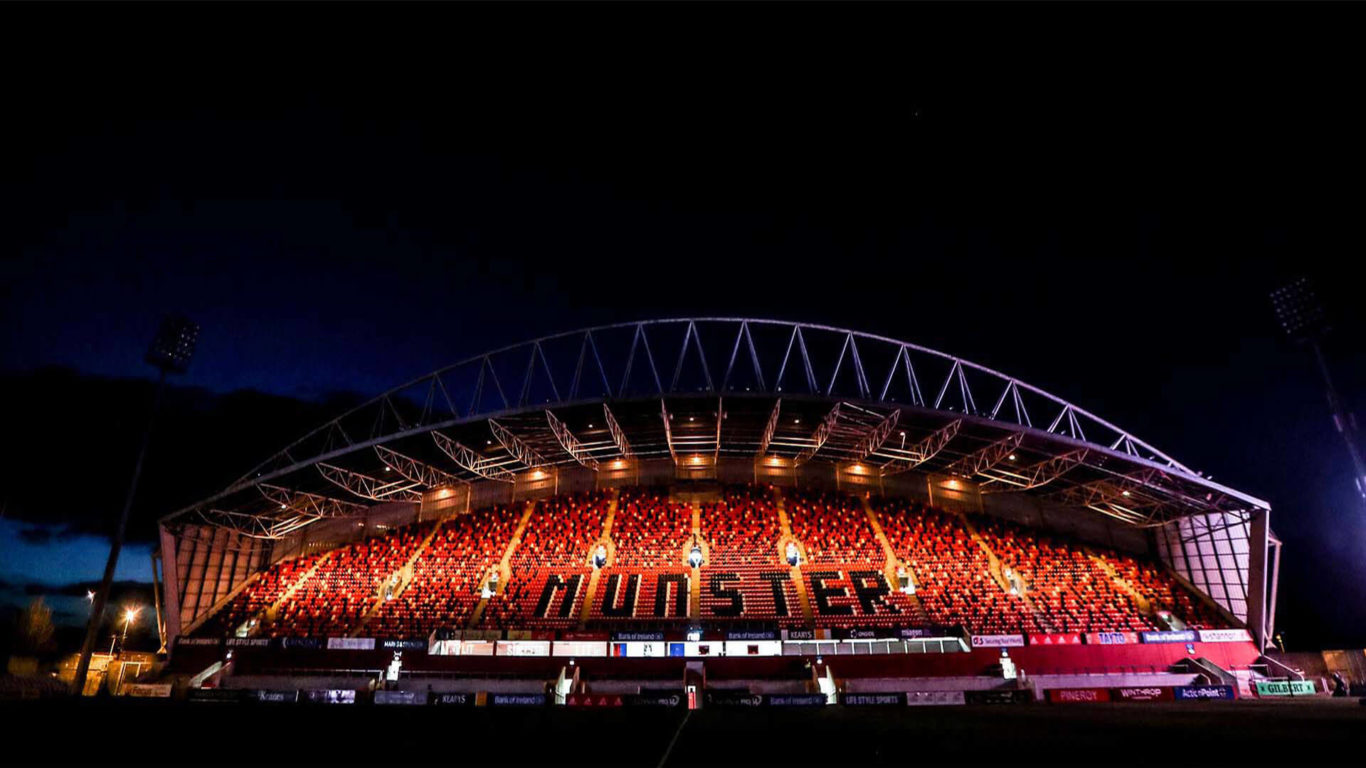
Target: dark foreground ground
1231	733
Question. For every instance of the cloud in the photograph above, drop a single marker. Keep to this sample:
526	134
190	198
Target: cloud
39	536
80	588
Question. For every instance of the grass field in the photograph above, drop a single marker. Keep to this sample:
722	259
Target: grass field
149	732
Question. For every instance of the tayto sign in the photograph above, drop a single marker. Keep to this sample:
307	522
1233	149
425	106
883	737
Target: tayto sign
733	699
1169	636
453	699
1111	638
1078	695
1203	693
517	699
1149	693
796	700
1055	638
997	641
873	699
1225	636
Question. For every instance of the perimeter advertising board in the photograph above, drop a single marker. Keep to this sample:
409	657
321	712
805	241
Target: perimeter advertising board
1169	636
998	641
1284	687
935	698
1078	695
873	699
1141	693
1203	693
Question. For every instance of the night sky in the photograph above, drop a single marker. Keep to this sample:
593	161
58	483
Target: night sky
1096	199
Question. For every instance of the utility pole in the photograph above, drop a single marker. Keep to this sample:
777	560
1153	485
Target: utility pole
170	352
1303	320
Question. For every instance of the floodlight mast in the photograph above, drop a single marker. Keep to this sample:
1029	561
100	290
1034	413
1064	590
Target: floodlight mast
171	352
1303	320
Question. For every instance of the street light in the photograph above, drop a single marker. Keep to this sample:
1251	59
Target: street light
170	352
129	615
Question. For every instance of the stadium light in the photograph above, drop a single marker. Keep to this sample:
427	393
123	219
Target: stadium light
170	352
1303	319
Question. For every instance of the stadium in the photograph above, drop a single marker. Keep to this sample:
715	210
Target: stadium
721	513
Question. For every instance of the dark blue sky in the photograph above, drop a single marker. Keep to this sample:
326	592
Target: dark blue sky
1102	217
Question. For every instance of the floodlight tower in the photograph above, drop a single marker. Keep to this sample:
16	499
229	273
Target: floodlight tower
1303	319
170	352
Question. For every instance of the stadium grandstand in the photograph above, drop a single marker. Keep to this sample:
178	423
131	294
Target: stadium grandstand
733	506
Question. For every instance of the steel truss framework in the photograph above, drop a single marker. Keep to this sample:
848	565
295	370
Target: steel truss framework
889	403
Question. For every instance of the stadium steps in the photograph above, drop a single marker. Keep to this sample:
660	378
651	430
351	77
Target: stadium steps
1144	606
586	610
796	572
407	578
891	562
695	576
273	610
995	568
504	569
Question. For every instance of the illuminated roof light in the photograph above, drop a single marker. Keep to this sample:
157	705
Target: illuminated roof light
590	426
1124	493
1012	457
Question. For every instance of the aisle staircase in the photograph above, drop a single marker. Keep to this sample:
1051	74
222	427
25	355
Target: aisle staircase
504	566
695	575
586	610
795	573
406	578
995	570
892	561
1144	606
273	610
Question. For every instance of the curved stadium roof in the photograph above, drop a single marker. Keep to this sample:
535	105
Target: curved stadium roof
725	387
